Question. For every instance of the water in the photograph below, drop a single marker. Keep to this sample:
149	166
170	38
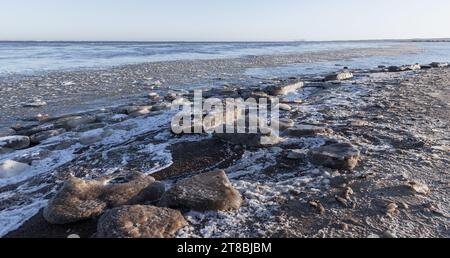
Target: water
431	52
32	57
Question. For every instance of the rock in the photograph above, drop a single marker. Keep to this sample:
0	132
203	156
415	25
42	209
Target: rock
77	200
339	76
438	65
140	222
284	89
391	208
42	136
389	234
296	154
284	123
14	142
336	156
153	95
284	107
159	107
35	104
141	112
419	188
206	192
127	190
150	194
426	67
89	127
73	236
84	199
307	130
414	67
73	122
11	168
7	132
393	69
359	123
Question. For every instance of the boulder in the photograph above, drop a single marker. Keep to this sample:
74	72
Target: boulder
393	69
81	199
284	89
211	191
77	200
339	76
284	107
307	130
140	222
14	142
284	123
42	136
336	156
11	168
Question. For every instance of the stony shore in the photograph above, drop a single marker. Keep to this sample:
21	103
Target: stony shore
363	153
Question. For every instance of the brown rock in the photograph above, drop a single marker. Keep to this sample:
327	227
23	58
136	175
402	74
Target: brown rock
336	156
209	191
140	222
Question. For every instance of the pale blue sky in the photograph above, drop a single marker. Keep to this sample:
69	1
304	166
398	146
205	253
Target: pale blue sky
222	20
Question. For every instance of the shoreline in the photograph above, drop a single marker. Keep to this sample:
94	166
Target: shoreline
280	182
69	92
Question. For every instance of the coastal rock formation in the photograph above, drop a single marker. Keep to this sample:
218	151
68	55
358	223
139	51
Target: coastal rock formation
11	168
205	192
336	156
438	65
339	76
307	130
140	222
14	142
83	199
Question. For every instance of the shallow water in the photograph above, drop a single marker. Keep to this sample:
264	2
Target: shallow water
32	57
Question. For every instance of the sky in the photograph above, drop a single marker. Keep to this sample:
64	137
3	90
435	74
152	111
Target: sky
223	20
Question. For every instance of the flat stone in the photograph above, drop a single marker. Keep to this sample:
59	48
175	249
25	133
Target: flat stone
336	156
284	107
140	222
296	154
11	168
42	136
249	139
206	192
15	142
339	76
419	188
308	130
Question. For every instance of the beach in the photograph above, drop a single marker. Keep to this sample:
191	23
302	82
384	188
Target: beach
386	127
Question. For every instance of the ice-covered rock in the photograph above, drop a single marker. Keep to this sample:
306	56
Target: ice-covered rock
11	168
336	156
438	65
205	192
35	104
15	142
140	222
